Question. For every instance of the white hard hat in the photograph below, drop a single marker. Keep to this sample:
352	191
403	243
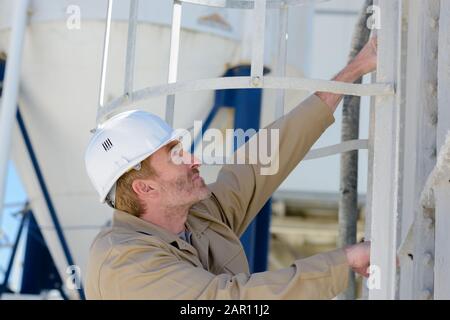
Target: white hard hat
122	143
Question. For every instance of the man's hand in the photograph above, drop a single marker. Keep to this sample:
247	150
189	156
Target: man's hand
365	62
367	57
358	257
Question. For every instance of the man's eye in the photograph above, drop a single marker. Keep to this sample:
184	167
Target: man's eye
177	154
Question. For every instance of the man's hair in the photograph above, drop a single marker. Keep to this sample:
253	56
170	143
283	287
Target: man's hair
126	199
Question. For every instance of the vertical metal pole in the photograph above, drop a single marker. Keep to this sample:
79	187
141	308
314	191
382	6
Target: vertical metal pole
173	60
424	99
280	65
131	47
414	158
11	91
386	179
368	212
259	26
442	192
443	124
348	203
101	98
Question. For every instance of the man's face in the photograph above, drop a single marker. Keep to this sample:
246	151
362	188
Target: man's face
178	180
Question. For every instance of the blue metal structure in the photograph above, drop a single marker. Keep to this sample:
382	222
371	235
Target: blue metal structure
39	270
37	258
247	114
31	268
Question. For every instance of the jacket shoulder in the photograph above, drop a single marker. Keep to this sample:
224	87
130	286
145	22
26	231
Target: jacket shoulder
109	249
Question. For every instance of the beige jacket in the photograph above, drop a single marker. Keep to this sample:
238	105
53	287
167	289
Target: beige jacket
135	259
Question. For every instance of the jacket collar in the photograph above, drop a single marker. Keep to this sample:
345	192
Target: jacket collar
125	220
196	224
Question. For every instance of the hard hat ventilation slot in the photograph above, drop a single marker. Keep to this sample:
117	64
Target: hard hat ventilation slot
107	144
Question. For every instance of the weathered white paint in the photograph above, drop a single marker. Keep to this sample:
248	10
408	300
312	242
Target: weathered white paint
436	195
442	257
443	73
442	190
419	140
439	176
424	98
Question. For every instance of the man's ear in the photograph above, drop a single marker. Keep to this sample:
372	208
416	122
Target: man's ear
144	188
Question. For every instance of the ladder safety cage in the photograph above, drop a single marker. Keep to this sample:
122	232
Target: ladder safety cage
256	79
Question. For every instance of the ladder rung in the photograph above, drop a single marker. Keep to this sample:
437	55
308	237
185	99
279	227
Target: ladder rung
376	89
343	147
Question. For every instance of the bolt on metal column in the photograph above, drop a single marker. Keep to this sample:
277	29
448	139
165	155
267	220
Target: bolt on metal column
257	67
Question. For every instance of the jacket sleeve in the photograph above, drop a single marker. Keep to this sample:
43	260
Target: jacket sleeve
156	274
241	190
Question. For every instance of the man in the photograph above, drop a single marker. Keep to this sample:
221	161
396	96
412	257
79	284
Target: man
173	237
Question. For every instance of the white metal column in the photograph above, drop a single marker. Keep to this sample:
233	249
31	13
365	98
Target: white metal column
417	93
281	58
442	190
386	152
11	91
259	26
101	98
131	47
173	60
423	98
443	73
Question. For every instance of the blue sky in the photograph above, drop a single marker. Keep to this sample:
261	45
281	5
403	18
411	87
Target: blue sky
15	193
